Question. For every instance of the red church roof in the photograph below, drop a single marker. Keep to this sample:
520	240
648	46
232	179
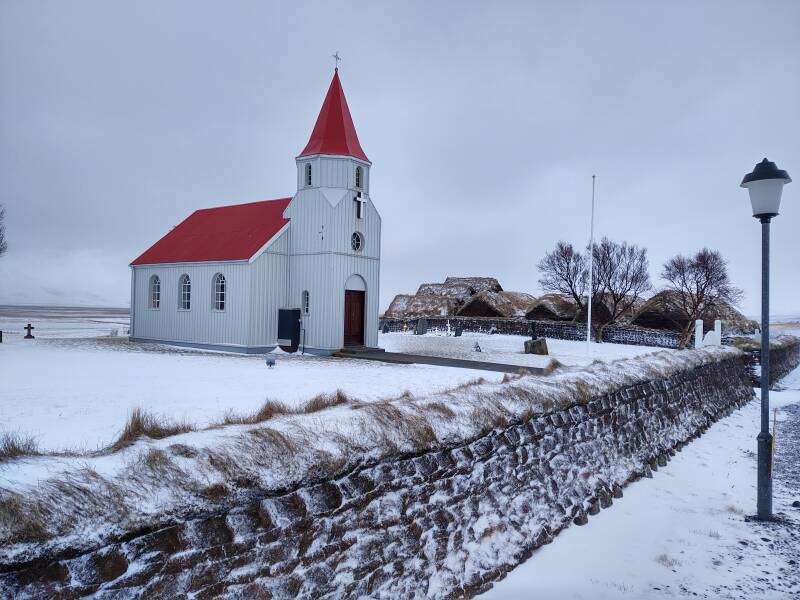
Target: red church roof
334	132
224	233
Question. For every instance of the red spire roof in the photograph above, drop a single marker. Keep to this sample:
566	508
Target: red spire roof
224	233
334	132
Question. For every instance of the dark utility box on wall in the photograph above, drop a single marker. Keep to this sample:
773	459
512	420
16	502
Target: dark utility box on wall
289	329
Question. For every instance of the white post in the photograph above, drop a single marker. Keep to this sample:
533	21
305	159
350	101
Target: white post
591	275
698	333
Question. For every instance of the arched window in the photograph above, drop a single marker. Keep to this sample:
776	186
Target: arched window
185	293
306	302
155	292
359	177
308	174
219	291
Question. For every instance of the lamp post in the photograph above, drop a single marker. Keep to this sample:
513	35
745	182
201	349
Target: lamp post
765	186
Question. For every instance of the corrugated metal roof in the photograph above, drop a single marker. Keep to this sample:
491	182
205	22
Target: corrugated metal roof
224	233
334	131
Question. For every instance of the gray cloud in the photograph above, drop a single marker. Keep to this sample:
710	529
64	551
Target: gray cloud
484	122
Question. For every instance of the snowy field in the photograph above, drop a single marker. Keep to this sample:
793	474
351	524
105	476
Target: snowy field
71	389
506	348
78	393
682	534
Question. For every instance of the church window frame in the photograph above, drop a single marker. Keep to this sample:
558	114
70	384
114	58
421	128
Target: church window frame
359	178
308	177
185	292
357	241
220	292
155	292
305	302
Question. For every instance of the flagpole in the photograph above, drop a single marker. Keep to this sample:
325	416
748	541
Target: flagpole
591	276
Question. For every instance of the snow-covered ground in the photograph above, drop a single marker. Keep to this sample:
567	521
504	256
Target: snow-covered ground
506	348
61	322
682	533
78	393
70	389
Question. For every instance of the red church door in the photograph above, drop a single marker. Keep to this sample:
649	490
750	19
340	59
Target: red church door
353	318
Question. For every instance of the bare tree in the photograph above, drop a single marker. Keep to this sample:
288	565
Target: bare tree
3	243
563	271
620	277
700	284
624	277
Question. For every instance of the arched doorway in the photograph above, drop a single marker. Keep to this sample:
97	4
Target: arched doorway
355	291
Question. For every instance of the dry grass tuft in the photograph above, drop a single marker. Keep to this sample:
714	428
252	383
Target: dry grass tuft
143	424
489	414
23	518
183	450
441	408
269	410
14	445
156	459
552	366
468	384
583	391
274	438
390	419
323	401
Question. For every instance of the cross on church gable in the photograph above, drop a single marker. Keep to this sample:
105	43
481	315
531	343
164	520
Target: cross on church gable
360	200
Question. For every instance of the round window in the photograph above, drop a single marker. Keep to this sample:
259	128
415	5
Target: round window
357	242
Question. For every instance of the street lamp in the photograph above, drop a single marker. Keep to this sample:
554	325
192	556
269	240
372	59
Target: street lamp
765	186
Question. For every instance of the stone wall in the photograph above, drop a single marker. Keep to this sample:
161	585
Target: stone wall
784	357
560	330
442	524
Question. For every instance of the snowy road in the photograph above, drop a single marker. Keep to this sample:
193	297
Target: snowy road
686	532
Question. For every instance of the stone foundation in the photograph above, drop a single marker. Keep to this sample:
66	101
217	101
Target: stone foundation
442	524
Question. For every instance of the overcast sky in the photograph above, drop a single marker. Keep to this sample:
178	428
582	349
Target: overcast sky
484	123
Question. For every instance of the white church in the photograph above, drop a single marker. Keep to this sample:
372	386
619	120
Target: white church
223	276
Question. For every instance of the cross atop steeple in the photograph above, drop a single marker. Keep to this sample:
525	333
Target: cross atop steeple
337	58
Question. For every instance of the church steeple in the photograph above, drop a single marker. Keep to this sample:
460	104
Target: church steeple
334	132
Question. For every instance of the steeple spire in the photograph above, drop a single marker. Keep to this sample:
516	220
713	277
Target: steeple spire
334	131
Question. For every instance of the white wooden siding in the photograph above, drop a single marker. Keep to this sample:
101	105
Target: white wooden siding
330	171
201	323
268	282
321	258
313	254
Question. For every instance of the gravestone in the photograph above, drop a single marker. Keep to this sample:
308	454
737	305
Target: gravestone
422	326
537	346
385	328
458	331
29	328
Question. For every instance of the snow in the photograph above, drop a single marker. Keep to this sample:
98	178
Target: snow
507	348
276	454
71	390
680	533
77	394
